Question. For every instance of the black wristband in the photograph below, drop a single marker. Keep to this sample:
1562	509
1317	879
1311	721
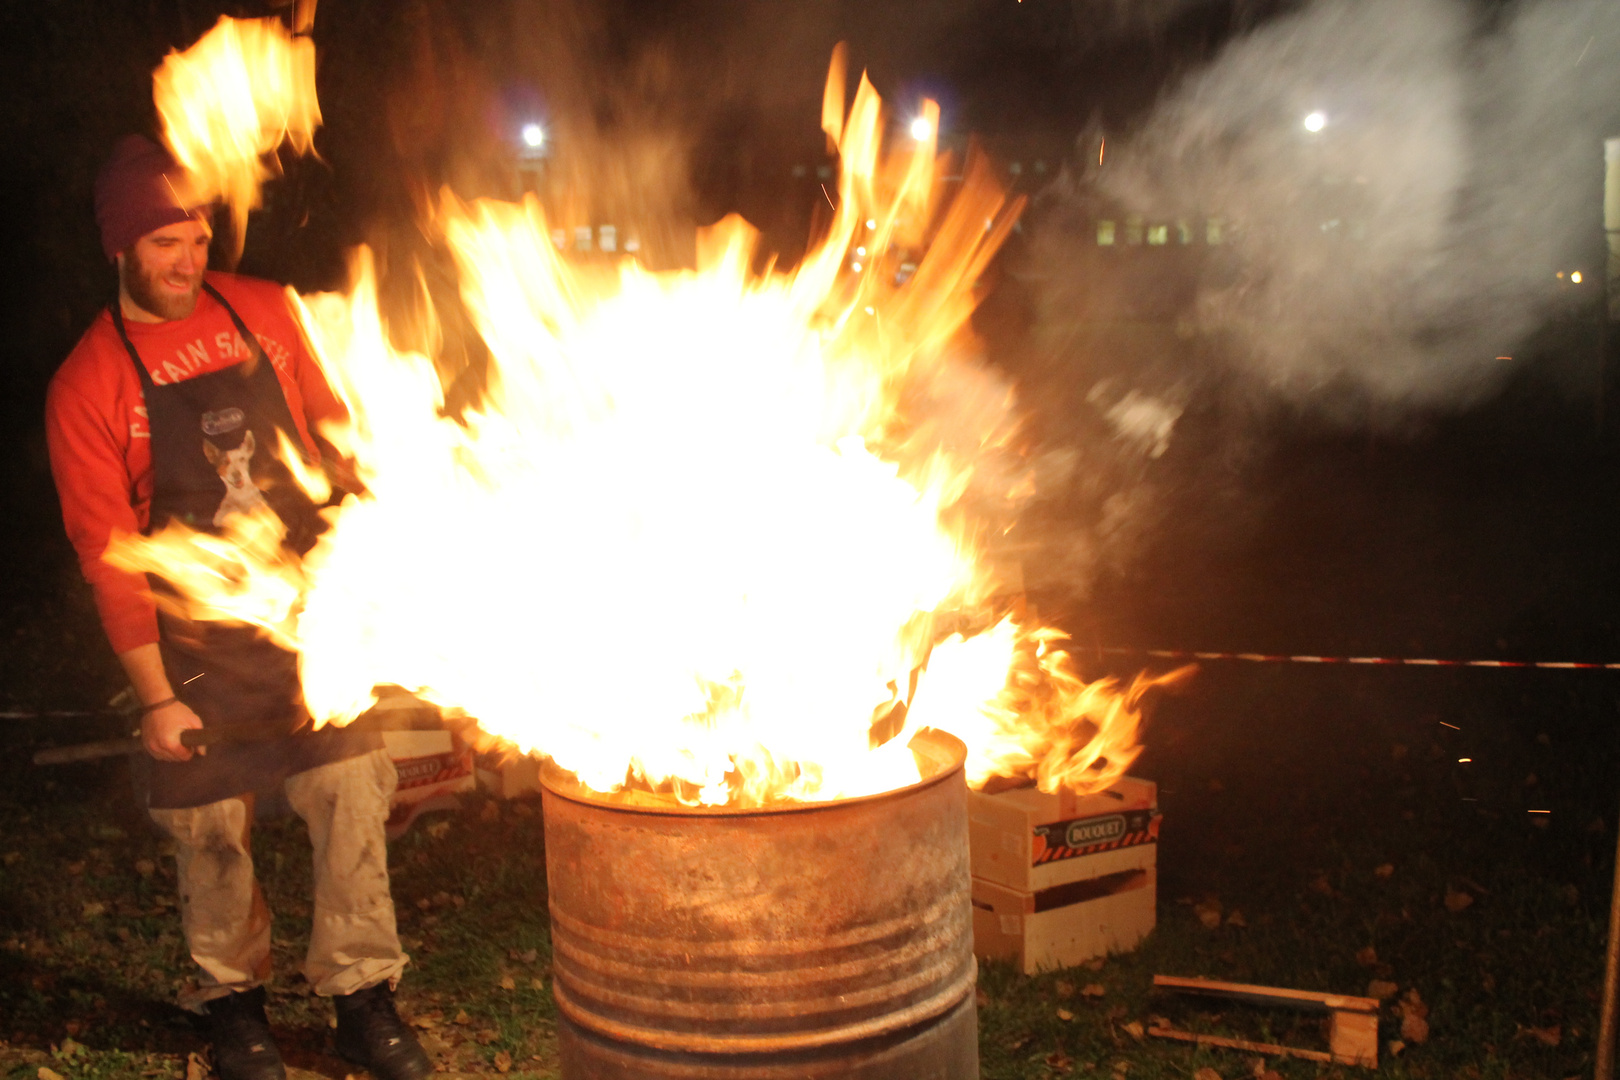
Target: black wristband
156	705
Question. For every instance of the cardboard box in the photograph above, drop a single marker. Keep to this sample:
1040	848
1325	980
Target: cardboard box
1027	840
433	766
1066	924
508	777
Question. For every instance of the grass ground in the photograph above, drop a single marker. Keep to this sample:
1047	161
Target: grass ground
1325	880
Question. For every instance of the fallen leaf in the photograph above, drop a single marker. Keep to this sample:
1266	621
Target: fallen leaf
1064	989
93	908
1415	1029
487	1036
1412	1003
1382	990
1209	911
1395	1046
1547	1036
426	1020
1236	919
1057	1059
503	1060
1385	871
1135	1031
1457	900
527	956
145	867
1094	990
1095	964
462	1018
491	812
1367	957
1065	1014
537	984
1206	1073
196	1067
508	983
438	829
52	1074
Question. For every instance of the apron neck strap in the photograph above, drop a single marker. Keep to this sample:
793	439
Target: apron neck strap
116	310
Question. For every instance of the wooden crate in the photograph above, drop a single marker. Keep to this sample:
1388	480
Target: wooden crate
1065	924
433	767
1027	840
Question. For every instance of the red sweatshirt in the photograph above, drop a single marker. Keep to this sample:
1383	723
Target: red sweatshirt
101	448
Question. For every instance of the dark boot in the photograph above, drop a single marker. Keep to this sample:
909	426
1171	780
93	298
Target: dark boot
371	1034
243	1047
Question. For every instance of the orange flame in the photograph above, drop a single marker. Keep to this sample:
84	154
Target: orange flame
717	532
245	87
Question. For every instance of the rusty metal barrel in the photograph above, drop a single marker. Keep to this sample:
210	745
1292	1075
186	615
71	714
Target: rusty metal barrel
801	941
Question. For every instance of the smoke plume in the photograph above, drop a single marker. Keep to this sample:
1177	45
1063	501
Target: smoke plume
1405	247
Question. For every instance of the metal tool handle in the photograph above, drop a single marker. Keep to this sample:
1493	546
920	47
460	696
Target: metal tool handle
399	718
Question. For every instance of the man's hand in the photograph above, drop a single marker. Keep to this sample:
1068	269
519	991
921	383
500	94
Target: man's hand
161	728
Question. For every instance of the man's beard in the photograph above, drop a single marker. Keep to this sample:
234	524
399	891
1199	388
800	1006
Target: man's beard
146	289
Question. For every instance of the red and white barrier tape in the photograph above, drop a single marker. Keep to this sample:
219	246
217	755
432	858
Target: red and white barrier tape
1267	658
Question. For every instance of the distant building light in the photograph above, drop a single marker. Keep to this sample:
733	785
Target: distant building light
823	172
1040	167
799	172
1214	231
1316	121
582	238
1105	234
534	136
1016	169
921	129
559	239
1158	234
607	238
632	245
1575	277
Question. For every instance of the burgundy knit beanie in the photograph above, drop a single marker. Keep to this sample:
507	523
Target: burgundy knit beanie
136	193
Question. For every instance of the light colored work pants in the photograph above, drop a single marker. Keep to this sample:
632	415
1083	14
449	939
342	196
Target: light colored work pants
352	943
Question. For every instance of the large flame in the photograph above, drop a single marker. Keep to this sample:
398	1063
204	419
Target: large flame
718	532
242	90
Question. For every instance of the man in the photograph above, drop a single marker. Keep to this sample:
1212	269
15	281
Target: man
168	409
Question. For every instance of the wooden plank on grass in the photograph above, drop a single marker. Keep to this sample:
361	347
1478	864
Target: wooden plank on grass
1309	1000
1238	1044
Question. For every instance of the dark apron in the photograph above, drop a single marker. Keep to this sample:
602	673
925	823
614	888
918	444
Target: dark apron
229	674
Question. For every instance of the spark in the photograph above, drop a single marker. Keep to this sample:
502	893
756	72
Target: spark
827	197
1453	727
1102	147
1464	760
1578	59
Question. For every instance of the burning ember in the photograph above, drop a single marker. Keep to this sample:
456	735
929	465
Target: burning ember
717	532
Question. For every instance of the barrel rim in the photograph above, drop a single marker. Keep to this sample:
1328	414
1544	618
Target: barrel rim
559	782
